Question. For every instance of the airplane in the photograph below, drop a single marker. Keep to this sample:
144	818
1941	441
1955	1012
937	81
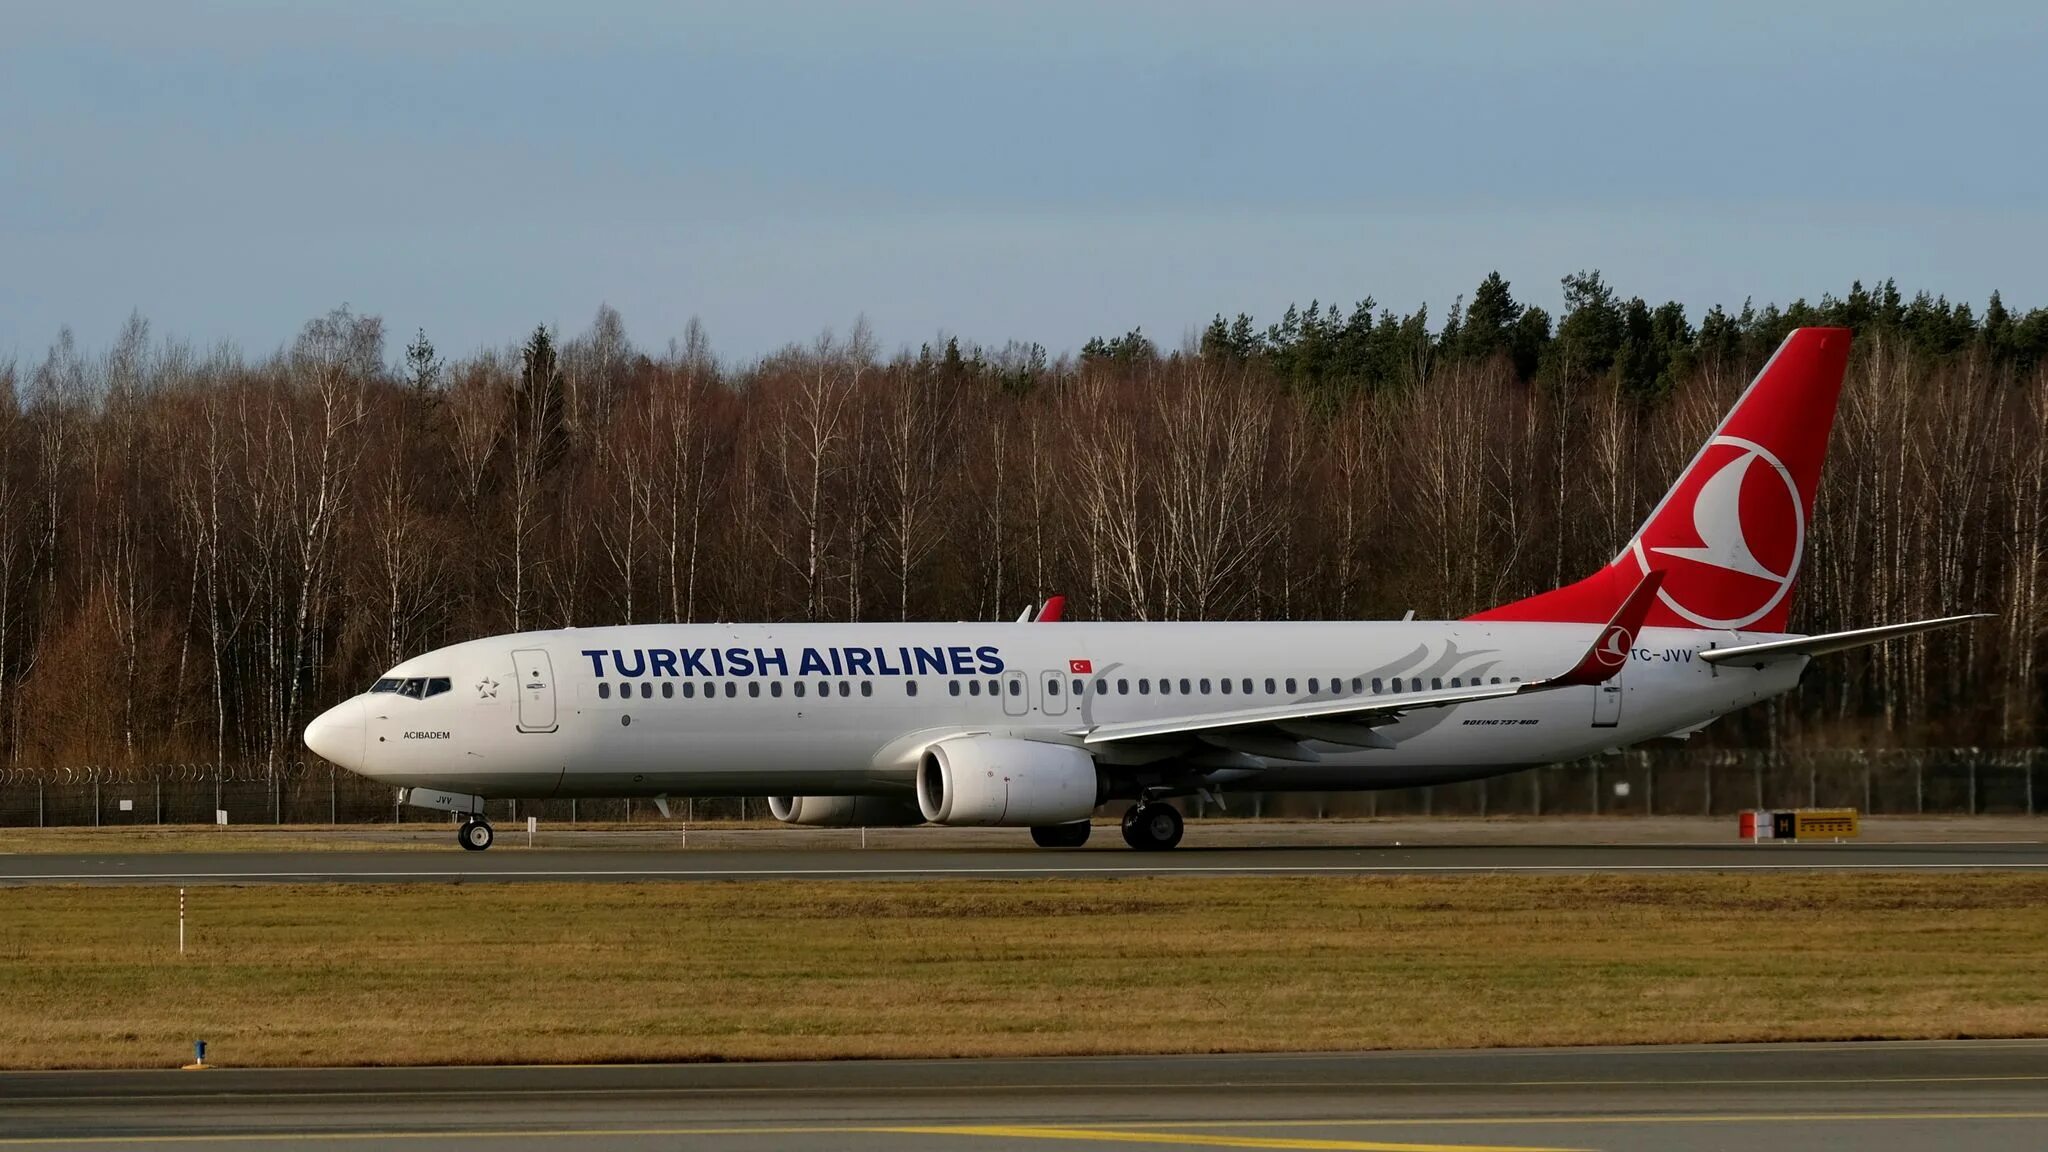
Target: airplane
1009	724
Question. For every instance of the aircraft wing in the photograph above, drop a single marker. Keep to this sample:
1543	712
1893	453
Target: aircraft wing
1773	650
1274	730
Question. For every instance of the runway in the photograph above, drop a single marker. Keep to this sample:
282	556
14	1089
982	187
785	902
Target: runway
1893	1097
503	864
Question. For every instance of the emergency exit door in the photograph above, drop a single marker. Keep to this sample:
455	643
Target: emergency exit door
1607	702
536	680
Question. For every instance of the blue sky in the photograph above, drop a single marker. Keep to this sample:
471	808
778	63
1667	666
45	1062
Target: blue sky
1040	171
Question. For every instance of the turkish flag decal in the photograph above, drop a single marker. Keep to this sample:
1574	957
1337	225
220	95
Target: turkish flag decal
1080	667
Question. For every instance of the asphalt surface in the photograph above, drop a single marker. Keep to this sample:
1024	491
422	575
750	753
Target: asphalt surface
611	866
1892	1097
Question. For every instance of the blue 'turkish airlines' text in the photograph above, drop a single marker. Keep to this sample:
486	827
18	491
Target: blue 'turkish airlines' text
955	660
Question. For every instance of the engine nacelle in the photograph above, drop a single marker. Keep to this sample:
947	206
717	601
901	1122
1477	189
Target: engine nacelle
987	780
845	811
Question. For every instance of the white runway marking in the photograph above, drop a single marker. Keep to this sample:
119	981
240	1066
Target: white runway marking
1024	870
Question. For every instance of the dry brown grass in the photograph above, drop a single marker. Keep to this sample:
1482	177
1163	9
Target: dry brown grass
564	973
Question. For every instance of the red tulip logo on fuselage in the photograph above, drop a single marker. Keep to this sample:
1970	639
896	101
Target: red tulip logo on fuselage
1733	559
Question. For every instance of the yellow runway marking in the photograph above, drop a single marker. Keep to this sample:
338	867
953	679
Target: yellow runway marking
1129	1132
1203	1140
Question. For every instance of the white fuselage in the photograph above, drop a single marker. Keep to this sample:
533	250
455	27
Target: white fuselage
845	709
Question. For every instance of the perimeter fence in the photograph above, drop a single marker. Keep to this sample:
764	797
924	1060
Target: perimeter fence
1660	782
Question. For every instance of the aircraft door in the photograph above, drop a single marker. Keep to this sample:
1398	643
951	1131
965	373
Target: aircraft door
1607	702
536	679
1016	694
1052	693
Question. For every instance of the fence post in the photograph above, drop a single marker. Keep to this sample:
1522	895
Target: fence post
157	786
276	797
39	803
332	817
95	799
1919	786
1973	785
1649	785
1596	786
1707	766
1536	792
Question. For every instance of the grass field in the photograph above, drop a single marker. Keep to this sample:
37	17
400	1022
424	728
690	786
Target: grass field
566	973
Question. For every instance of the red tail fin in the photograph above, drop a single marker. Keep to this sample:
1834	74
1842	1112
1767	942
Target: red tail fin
1730	534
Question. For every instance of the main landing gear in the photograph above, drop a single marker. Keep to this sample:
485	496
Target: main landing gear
475	834
1153	826
1061	835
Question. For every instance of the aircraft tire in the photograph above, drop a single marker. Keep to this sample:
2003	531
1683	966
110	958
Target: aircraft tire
475	835
1061	835
1153	827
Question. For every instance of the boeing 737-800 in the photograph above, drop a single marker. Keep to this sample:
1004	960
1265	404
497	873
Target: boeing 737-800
1038	725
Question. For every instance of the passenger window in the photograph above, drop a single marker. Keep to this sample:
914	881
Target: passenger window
1247	685
668	689
910	687
1144	686
1052	687
1101	685
1017	687
386	685
1415	684
1514	679
1496	679
867	687
1376	686
953	686
689	689
1184	686
1123	687
824	687
1165	687
753	687
1290	686
797	688
604	690
1358	683
647	690
775	687
1313	686
1436	683
1269	686
974	687
1080	686
994	687
731	689
438	685
1223	684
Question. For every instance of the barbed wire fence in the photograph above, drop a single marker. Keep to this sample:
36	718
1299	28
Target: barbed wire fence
1680	782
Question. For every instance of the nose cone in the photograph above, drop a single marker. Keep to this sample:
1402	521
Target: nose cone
338	733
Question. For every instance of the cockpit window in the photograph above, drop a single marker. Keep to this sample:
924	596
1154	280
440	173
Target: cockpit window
415	687
388	684
437	685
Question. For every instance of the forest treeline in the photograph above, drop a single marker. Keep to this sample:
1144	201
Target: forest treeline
200	549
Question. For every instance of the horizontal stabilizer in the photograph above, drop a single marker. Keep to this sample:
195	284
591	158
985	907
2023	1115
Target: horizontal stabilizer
1798	646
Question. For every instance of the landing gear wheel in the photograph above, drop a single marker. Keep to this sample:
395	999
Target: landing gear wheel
475	835
1061	835
1153	827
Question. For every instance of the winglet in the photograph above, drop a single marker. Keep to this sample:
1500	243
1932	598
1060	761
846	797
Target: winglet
1055	607
1610	649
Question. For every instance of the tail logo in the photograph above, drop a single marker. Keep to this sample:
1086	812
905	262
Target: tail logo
1739	550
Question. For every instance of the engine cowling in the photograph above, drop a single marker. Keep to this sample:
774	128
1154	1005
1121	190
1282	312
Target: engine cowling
985	781
845	811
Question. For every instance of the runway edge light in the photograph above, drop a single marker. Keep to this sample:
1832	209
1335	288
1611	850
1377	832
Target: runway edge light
198	1063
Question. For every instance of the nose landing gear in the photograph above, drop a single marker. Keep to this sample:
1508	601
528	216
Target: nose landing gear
475	834
1153	826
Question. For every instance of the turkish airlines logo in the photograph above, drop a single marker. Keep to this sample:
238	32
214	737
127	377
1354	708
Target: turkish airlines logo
1739	550
1612	651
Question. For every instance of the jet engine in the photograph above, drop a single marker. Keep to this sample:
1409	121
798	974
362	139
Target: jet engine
992	781
845	811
